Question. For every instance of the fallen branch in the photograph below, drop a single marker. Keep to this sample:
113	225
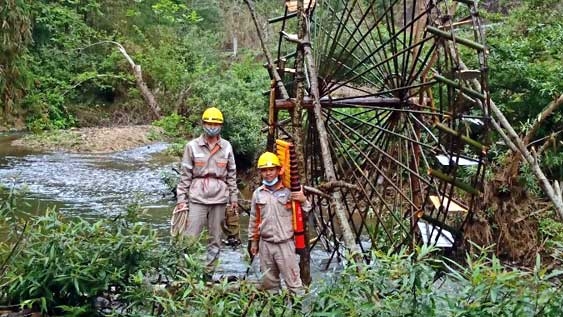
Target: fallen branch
551	140
147	94
546	112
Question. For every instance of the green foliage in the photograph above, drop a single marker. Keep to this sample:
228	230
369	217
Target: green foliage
527	178
393	285
525	60
16	34
174	126
59	68
65	266
488	288
525	64
551	230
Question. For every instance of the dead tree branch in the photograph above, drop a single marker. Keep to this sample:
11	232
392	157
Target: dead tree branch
315	191
549	140
147	94
546	112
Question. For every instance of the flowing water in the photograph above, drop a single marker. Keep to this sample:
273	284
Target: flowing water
93	186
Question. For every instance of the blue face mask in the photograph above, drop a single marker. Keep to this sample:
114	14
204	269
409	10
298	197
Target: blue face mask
272	183
212	131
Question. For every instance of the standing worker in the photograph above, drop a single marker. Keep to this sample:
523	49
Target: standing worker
208	183
270	227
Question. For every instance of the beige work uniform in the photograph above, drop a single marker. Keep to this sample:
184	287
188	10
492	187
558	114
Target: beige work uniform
208	183
271	222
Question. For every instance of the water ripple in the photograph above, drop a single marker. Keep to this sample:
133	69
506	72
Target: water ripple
91	183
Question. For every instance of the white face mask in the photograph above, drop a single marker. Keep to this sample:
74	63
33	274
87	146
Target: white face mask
272	183
214	131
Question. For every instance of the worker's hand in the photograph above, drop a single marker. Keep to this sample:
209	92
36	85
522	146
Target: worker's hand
181	206
299	196
254	247
234	207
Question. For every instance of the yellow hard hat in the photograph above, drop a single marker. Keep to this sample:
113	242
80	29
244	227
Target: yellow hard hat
212	115
268	159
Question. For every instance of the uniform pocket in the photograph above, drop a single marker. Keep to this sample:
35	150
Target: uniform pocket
199	164
221	164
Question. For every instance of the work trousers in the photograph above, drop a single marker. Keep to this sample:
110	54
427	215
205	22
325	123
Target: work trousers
232	226
210	217
276	258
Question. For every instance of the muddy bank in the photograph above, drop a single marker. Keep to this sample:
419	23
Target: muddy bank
91	140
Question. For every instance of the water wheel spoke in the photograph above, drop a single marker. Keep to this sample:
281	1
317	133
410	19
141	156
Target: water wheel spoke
404	123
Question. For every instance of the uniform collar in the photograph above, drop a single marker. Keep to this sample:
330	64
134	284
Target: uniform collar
277	187
201	141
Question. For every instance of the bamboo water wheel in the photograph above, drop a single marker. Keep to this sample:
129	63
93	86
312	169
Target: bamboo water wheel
402	88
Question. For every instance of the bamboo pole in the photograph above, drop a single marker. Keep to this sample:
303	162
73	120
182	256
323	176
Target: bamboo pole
514	141
271	67
330	174
297	131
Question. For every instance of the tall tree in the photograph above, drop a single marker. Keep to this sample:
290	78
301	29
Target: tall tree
15	34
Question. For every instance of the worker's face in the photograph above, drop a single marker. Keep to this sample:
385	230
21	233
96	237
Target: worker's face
269	173
211	125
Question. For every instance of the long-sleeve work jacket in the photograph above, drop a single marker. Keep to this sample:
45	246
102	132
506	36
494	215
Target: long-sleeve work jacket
208	176
271	214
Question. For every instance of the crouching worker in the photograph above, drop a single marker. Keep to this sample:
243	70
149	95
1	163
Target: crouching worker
270	227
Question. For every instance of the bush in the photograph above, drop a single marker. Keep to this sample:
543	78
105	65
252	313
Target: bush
67	265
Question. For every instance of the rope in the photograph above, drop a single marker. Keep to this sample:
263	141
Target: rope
179	221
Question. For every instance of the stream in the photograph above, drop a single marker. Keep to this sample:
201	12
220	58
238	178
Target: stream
93	186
